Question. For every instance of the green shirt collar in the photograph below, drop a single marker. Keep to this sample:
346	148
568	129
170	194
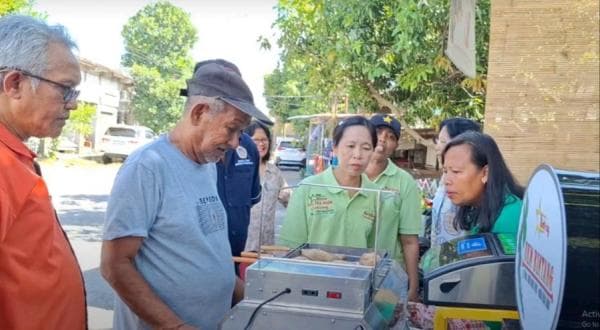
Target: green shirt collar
390	170
329	179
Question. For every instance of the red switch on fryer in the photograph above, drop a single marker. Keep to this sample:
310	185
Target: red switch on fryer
334	295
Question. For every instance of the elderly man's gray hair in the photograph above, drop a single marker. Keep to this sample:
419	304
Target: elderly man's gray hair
24	42
216	105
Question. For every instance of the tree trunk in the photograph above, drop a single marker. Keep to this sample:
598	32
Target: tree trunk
41	149
399	115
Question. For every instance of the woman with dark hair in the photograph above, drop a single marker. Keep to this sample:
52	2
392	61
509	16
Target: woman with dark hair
478	181
332	214
272	182
444	211
487	197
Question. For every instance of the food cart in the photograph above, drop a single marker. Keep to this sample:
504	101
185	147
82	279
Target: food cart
291	293
323	287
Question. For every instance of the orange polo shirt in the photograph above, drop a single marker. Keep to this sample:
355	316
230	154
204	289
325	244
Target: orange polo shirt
41	286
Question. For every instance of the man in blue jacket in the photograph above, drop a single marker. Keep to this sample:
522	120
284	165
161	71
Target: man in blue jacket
239	189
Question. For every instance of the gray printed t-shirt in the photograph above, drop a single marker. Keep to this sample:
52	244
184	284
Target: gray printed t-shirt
172	202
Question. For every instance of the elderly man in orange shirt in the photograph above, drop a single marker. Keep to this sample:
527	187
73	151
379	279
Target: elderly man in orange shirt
41	286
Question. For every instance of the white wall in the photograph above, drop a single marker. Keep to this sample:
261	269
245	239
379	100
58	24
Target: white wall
104	92
431	157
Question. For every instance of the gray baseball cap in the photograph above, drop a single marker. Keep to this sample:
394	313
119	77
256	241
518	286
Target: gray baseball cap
222	79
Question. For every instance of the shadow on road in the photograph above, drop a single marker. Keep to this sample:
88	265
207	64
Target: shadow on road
98	292
82	216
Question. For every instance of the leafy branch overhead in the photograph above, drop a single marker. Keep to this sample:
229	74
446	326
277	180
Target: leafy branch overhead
158	41
24	7
377	53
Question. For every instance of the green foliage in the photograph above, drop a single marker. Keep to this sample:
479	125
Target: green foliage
343	47
80	120
24	7
156	102
158	40
287	95
11	6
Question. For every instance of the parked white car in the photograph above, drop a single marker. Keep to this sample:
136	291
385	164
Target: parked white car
66	145
290	152
119	141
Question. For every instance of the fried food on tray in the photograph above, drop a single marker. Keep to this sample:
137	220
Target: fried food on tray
369	259
274	248
320	255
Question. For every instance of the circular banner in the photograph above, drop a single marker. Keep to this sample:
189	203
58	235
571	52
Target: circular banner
541	257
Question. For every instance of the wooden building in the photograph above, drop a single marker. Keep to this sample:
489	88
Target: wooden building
542	103
411	154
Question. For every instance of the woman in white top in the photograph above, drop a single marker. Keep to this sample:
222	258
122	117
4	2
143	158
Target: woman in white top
443	211
271	181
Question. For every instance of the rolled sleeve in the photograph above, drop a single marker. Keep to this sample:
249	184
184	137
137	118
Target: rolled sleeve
133	203
410	211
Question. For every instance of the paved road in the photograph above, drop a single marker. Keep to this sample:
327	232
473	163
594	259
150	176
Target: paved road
292	178
80	195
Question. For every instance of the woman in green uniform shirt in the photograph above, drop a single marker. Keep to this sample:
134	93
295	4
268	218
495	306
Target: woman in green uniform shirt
333	215
488	198
479	182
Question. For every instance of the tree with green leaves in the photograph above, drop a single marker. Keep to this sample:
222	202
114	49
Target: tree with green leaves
79	125
24	7
81	119
12	6
377	53
158	41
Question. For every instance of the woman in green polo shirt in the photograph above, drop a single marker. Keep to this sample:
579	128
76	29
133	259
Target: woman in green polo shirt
488	198
334	215
478	181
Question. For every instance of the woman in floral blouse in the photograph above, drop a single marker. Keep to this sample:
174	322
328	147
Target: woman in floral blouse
272	183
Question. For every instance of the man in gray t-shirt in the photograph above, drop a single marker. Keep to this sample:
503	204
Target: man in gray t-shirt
165	250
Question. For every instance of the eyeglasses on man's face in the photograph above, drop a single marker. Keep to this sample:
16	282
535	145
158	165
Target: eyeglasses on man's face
69	93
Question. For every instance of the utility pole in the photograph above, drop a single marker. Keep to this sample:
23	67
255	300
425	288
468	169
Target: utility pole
346	101
334	104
